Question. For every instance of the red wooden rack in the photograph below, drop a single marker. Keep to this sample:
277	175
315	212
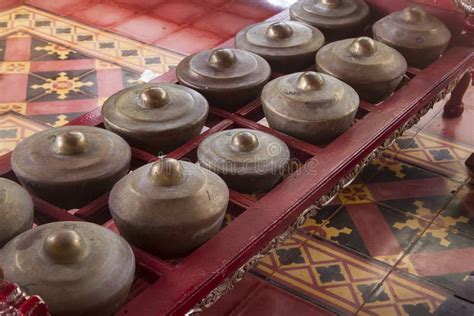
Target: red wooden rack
257	224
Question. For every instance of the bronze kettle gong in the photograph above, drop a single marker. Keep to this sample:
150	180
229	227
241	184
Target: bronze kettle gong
421	38
227	77
157	117
169	207
78	268
72	165
16	210
287	46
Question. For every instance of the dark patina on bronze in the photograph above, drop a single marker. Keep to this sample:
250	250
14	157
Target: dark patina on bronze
337	19
78	268
287	46
372	68
169	207
16	210
420	37
248	160
311	106
157	117
227	77
71	166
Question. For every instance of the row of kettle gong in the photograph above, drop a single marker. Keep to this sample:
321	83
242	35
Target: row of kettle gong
170	207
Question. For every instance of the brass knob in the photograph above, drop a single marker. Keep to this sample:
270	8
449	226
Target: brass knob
70	143
166	172
279	30
413	14
222	58
244	141
310	80
333	4
154	97
64	246
363	47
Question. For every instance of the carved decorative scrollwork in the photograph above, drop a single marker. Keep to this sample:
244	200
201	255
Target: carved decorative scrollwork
229	283
465	5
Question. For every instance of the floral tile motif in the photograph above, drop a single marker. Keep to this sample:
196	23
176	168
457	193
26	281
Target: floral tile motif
442	255
401	294
14	128
461	211
373	230
434	154
58	81
406	188
324	274
49	73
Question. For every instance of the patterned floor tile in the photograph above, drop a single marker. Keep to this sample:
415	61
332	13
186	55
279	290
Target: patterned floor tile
401	294
53	69
441	255
454	306
313	224
461	211
324	274
373	230
14	128
406	188
434	154
82	38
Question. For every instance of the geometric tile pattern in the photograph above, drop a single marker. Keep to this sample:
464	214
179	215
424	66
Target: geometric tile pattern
103	45
344	282
337	278
461	211
53	83
403	295
15	127
53	69
435	154
443	256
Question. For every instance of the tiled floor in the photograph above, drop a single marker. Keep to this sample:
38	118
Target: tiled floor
399	241
183	26
59	59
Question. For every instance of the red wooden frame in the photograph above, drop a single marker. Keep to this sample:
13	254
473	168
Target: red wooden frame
174	287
